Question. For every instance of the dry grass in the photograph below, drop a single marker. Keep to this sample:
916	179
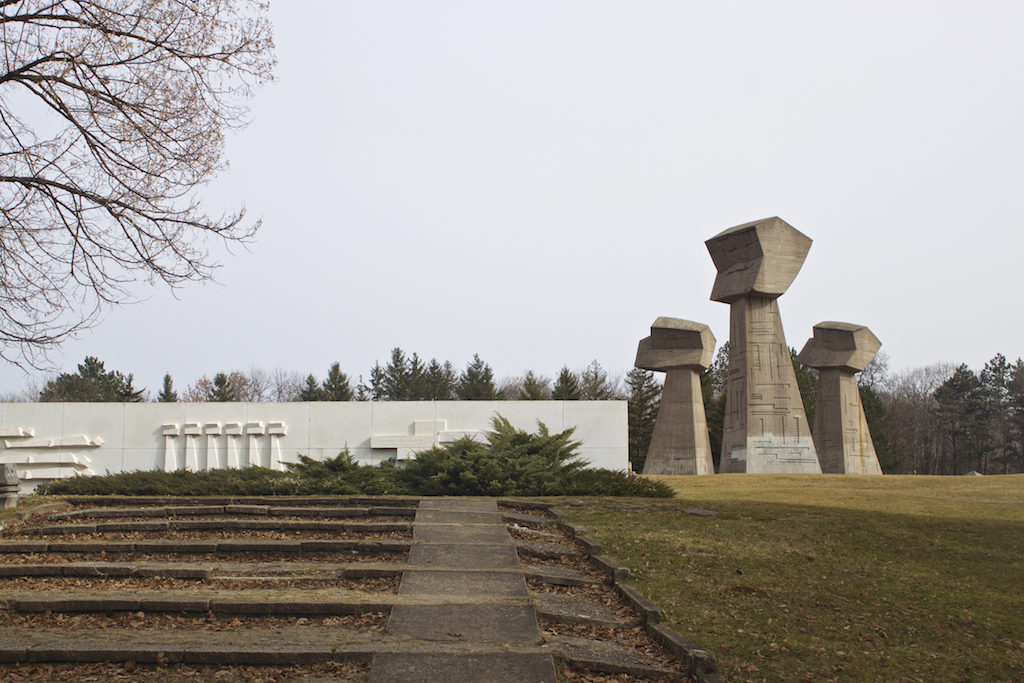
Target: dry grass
816	578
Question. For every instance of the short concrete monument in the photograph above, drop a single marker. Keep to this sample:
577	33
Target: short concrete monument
838	351
8	487
680	349
766	429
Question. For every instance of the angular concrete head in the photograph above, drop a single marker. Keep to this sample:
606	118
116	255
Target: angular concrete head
760	258
676	343
840	345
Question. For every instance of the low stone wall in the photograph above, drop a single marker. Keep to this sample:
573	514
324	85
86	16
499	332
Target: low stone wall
47	441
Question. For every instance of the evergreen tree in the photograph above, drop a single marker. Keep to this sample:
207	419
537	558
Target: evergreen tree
874	413
362	390
807	383
440	381
222	391
397	381
959	405
477	381
644	400
418	389
167	394
310	391
995	414
713	383
1015	409
534	388
336	386
92	383
567	386
594	383
374	389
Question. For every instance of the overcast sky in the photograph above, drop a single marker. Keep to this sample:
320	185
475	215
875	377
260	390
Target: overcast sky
534	182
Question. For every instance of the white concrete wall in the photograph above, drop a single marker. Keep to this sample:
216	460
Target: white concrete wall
46	441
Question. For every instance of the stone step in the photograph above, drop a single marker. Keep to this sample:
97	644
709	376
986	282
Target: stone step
227	546
548	551
206	570
215	525
315	501
572	609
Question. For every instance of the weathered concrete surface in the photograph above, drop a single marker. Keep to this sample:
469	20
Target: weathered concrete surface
499	611
463	556
468	584
481	623
457	517
495	667
460	533
681	349
841	434
766	429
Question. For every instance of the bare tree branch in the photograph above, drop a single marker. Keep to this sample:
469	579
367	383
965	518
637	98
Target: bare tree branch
112	117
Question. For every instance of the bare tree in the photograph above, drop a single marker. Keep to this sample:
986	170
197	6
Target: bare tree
112	116
259	383
285	385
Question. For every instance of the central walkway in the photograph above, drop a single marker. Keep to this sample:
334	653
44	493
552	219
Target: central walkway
480	625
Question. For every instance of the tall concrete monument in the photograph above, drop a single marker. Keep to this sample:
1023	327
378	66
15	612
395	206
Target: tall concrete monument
680	349
838	351
766	429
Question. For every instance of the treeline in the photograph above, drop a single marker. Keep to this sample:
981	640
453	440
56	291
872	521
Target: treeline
939	419
403	378
942	419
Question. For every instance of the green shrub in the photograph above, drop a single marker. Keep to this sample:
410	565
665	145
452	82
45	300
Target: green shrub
511	462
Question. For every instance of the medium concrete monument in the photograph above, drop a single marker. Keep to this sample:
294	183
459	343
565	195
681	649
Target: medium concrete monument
680	349
838	351
766	429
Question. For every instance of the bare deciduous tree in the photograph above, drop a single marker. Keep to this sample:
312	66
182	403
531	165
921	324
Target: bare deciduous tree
112	115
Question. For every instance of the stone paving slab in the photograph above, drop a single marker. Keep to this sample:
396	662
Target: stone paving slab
551	551
521	518
500	667
572	609
459	533
559	576
482	623
457	517
462	504
462	556
463	583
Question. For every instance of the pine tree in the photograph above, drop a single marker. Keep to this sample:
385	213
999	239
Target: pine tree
440	381
221	391
807	383
417	389
311	390
960	407
336	386
642	412
534	388
374	389
713	383
477	381
567	386
167	394
397	384
92	383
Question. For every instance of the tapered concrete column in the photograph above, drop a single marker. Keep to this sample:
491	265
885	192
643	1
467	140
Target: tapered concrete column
838	351
681	349
766	429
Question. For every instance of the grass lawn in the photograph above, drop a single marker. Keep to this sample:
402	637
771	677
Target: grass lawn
800	577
